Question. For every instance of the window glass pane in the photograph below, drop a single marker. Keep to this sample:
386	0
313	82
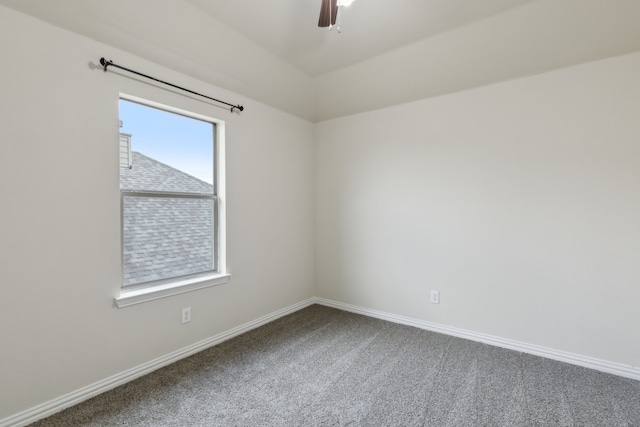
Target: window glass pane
170	232
164	151
166	237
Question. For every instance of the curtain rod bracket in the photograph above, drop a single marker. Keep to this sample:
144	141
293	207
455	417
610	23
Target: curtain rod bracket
106	64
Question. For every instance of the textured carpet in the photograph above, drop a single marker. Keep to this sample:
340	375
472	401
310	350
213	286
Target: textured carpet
326	367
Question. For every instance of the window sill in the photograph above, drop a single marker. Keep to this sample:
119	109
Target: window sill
139	296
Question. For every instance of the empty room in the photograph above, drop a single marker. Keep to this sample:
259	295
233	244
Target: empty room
320	212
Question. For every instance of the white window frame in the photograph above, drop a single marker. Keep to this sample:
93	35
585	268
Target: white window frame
131	295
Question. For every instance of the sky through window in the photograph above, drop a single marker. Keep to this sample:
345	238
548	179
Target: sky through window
178	141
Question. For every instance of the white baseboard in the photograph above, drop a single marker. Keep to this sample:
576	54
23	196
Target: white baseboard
56	405
562	356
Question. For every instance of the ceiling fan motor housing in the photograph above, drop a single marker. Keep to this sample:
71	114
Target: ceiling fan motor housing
328	13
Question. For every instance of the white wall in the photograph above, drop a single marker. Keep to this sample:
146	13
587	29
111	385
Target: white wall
185	38
518	201
59	217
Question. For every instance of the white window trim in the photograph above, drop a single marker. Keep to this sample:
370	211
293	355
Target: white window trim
181	285
138	296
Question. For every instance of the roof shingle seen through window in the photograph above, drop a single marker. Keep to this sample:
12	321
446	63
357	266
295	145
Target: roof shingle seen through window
164	237
149	174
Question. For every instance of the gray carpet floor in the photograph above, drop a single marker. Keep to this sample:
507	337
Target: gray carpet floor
325	367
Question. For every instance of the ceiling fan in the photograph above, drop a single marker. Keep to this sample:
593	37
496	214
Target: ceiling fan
329	12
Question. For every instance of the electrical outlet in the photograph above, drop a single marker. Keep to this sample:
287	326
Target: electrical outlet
435	297
186	315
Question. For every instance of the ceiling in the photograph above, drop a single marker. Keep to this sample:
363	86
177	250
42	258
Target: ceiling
285	28
288	28
389	52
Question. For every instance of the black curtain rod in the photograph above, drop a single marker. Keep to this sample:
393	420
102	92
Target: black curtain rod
106	64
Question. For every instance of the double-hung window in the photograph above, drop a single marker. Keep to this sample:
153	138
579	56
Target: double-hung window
169	188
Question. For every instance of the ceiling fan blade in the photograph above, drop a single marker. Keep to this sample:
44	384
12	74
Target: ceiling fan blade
328	13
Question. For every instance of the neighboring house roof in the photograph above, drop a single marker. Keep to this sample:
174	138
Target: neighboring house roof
146	173
164	237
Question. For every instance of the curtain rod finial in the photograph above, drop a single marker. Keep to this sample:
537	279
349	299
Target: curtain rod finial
105	63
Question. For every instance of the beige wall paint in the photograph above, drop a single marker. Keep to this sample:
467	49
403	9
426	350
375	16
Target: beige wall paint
59	217
186	39
519	202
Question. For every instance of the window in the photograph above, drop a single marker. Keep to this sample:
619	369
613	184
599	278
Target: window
170	198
